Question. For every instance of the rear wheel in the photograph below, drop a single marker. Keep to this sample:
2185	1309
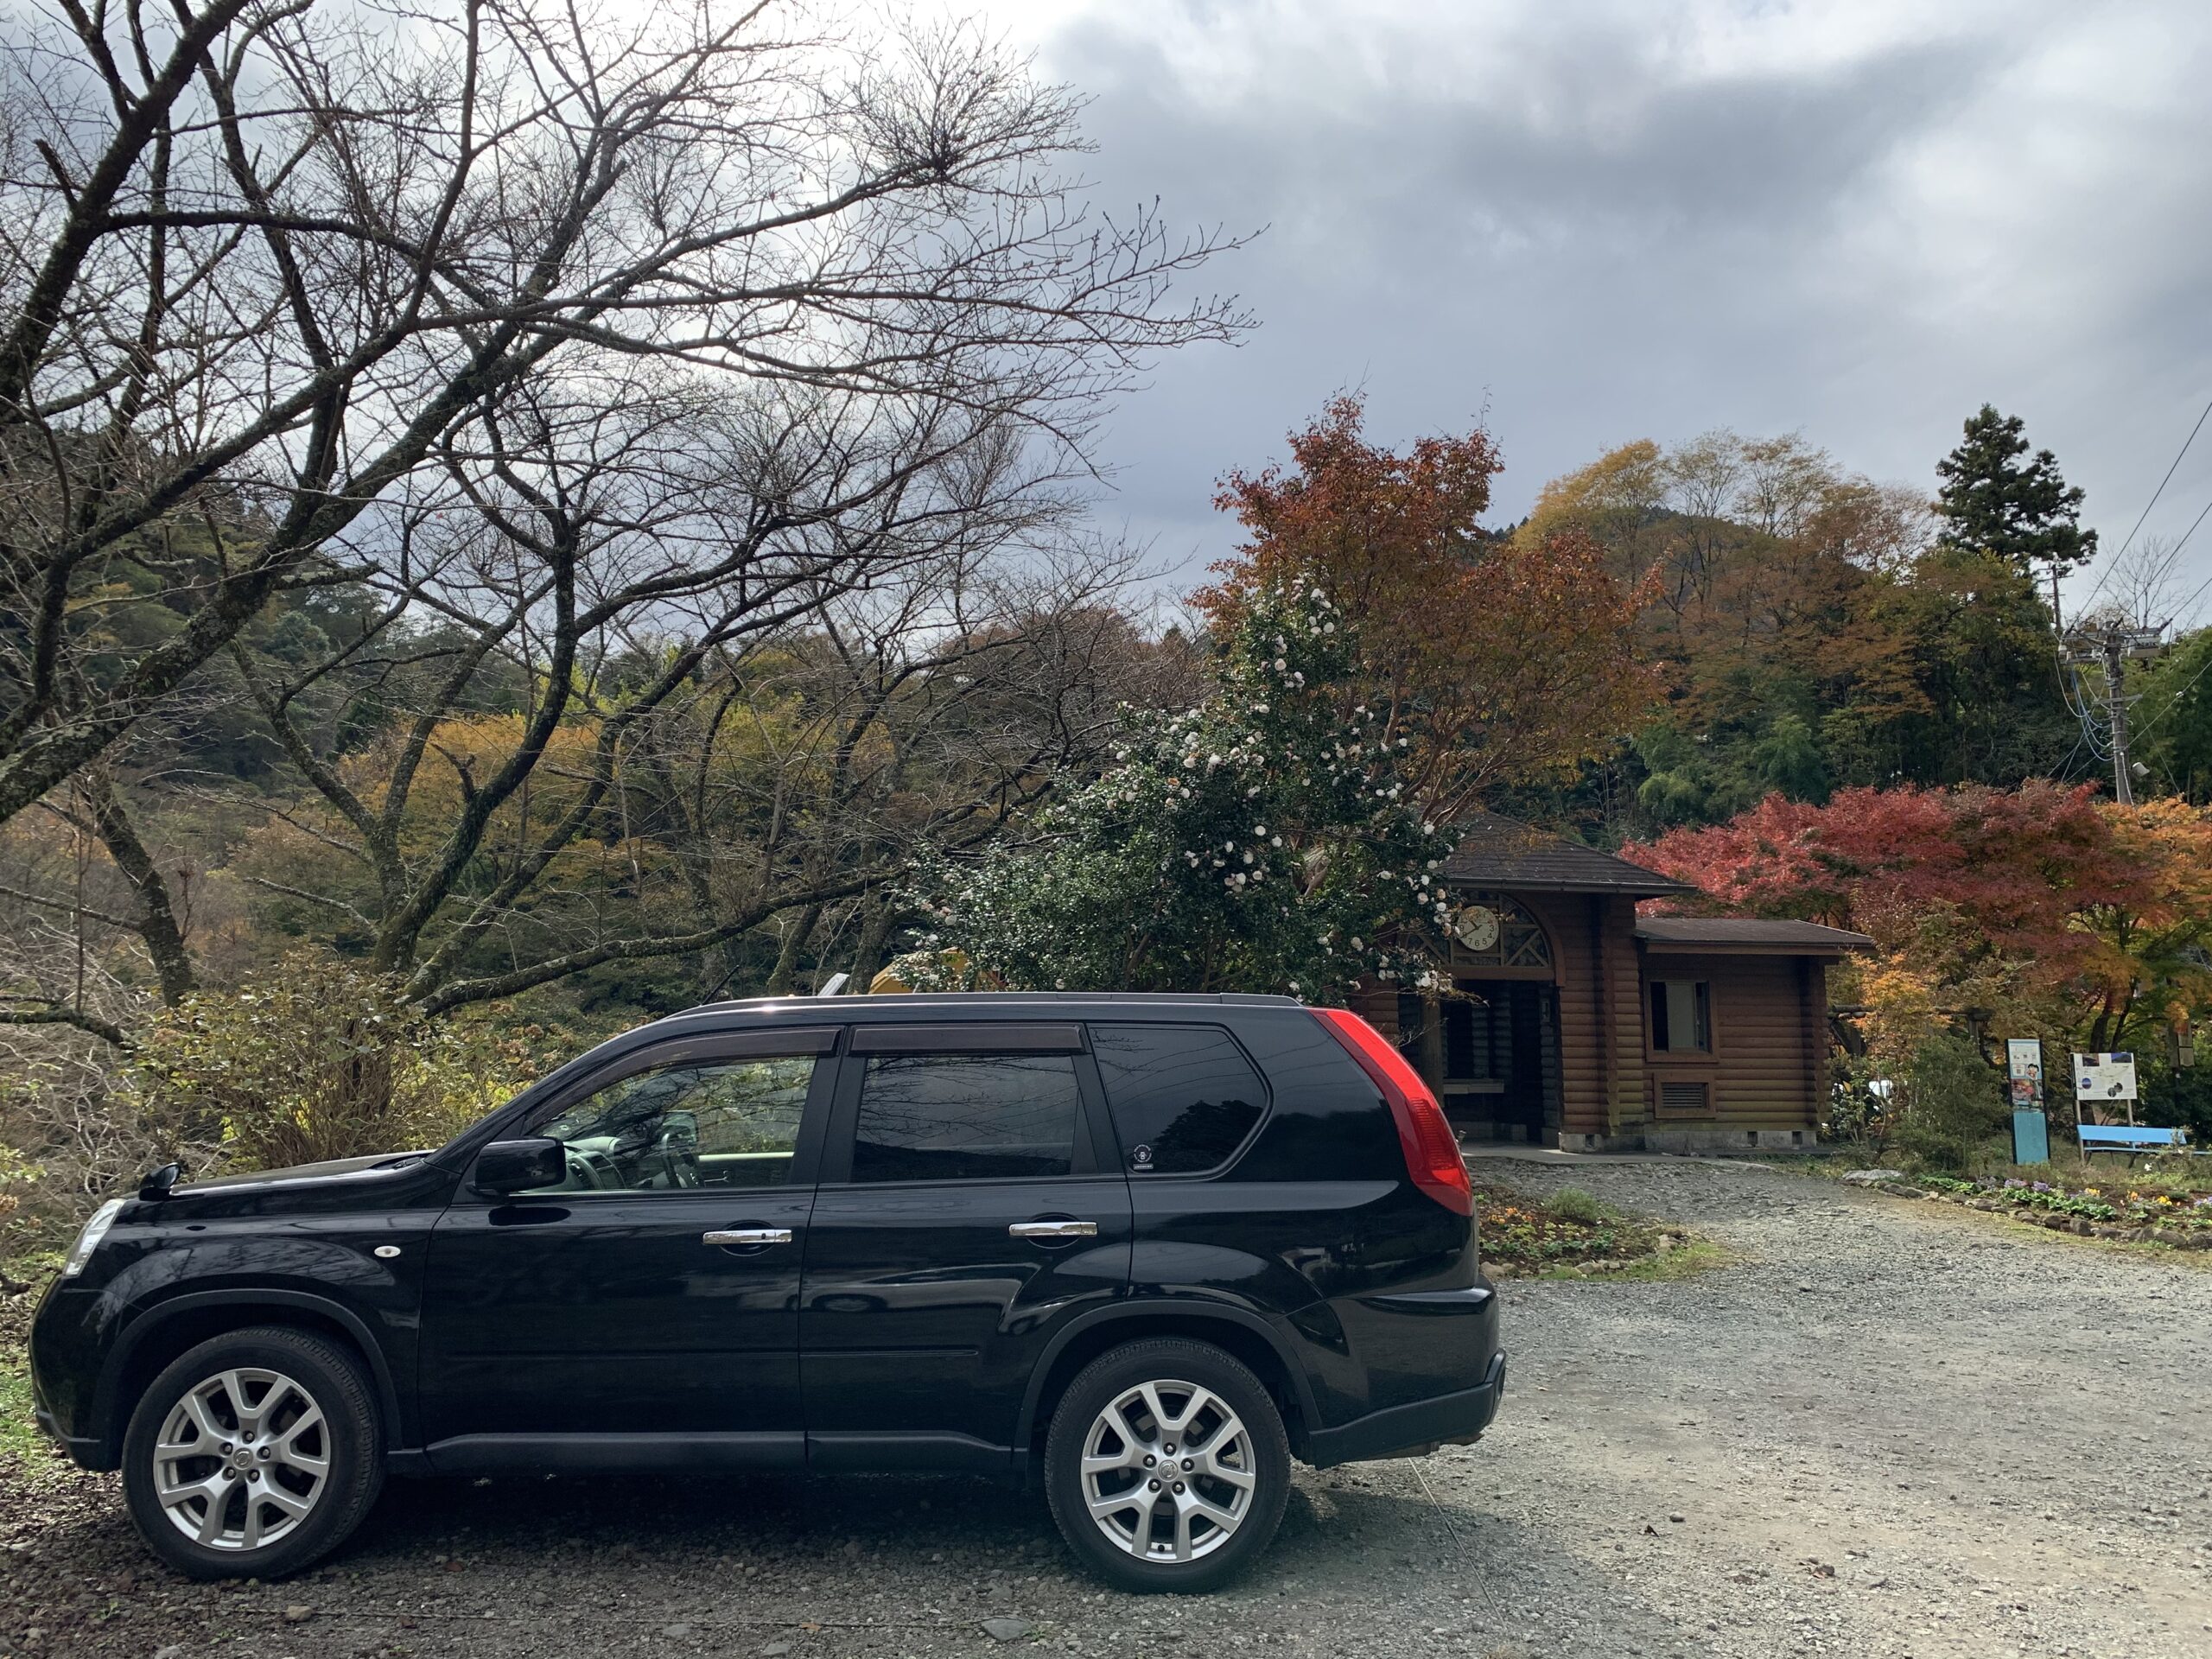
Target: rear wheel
1167	1465
253	1454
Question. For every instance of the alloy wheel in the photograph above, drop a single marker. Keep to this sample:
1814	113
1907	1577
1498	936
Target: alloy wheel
242	1459
1168	1471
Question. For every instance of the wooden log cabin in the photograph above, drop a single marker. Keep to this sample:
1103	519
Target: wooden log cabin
1572	1022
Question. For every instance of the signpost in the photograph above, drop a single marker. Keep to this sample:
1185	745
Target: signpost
2100	1078
2031	1128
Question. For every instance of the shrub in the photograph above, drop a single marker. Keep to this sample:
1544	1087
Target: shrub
314	1060
1572	1204
1948	1102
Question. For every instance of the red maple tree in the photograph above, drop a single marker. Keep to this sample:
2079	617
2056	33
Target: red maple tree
1497	660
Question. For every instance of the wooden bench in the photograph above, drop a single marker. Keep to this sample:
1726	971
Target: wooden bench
2128	1139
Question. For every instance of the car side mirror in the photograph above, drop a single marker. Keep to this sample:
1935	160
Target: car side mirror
518	1166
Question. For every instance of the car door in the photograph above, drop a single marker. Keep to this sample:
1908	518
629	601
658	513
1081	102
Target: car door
970	1209
645	1309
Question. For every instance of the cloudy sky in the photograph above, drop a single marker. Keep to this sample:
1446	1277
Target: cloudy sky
1593	222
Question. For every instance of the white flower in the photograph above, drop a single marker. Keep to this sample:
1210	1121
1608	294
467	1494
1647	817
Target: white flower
1248	855
1259	828
1274	841
1356	944
1190	759
1281	665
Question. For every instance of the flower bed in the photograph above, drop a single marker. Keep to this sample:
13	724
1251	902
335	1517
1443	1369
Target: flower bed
2111	1210
1521	1234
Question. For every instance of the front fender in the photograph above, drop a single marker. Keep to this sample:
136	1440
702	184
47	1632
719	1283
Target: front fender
324	1268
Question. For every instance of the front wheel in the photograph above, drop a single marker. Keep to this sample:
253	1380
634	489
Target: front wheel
253	1454
1167	1465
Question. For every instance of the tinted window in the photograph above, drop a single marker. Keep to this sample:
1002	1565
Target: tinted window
964	1117
1184	1097
707	1123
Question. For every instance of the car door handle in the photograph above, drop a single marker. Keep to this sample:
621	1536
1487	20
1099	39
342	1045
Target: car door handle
1054	1229
748	1235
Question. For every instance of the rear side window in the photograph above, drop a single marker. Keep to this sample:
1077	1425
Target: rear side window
1184	1097
965	1117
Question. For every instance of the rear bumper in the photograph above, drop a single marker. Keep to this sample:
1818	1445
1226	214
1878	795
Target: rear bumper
1419	1426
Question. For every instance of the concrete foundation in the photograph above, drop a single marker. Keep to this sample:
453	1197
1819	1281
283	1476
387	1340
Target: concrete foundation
1704	1141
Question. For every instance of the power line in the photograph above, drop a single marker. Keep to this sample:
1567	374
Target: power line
2153	502
2182	609
2174	702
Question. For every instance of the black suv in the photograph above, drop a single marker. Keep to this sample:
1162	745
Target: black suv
1143	1248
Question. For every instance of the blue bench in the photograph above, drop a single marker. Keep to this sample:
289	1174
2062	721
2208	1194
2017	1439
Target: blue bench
2129	1139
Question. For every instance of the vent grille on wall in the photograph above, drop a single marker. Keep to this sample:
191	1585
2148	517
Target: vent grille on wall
1686	1098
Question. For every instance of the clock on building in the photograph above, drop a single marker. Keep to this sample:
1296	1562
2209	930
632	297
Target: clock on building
1476	926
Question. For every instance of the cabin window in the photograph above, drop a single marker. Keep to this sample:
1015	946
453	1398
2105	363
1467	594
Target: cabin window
1681	1016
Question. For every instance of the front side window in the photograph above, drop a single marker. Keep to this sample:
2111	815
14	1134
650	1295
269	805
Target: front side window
965	1117
1681	1016
718	1123
1183	1097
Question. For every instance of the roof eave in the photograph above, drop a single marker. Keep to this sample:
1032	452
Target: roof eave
1657	887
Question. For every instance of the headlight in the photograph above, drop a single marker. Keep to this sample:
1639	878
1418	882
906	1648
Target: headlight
89	1240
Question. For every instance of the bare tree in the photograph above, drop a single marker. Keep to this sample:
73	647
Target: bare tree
262	262
708	741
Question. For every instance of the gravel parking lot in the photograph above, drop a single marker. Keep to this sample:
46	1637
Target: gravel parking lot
1890	1428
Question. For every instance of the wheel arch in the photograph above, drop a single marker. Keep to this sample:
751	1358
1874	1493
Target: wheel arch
169	1328
1244	1336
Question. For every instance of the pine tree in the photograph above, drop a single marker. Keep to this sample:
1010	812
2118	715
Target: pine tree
1992	504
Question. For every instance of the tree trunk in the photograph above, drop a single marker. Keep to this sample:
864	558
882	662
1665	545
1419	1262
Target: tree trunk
875	934
780	982
158	927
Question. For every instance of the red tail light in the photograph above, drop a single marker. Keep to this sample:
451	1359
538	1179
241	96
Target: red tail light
1432	1161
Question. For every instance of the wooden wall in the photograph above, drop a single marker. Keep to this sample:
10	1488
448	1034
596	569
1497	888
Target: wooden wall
1768	1064
1601	1022
1769	1067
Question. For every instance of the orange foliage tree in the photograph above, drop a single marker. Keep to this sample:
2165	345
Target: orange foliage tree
1492	660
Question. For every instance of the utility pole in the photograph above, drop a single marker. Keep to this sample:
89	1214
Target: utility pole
2110	645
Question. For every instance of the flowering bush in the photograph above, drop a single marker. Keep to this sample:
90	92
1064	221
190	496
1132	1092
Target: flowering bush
1258	841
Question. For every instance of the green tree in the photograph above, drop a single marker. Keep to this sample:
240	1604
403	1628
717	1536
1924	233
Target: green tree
1991	503
1256	842
2173	722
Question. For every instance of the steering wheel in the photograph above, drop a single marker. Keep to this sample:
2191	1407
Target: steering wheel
676	1146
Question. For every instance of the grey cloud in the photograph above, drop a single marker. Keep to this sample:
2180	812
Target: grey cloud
1594	246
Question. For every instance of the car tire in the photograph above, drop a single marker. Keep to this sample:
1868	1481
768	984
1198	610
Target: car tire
254	1455
1194	1517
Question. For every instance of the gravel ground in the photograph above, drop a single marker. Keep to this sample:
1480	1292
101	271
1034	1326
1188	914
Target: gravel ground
1890	1428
